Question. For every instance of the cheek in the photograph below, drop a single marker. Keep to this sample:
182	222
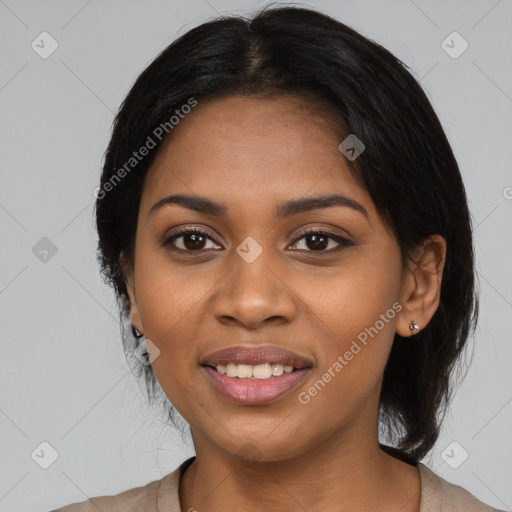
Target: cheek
352	297
351	307
356	309
172	304
173	307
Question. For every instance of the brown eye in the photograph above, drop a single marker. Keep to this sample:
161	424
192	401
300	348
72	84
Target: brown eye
190	240
318	240
313	240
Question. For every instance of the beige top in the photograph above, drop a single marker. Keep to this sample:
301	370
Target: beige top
437	495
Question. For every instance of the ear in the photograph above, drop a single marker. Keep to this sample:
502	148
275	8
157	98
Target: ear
129	279
421	289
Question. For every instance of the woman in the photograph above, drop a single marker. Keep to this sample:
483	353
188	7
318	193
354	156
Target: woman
286	229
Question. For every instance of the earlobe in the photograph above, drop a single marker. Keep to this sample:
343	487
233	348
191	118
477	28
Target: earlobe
421	290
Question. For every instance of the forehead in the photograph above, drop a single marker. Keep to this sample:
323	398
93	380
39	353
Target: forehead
248	150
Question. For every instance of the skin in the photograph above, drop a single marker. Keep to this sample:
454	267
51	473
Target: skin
252	154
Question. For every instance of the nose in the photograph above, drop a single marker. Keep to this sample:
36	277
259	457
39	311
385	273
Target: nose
254	295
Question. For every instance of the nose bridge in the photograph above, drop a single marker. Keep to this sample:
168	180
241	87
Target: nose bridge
253	290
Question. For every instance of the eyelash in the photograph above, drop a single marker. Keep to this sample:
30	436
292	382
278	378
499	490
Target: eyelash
343	242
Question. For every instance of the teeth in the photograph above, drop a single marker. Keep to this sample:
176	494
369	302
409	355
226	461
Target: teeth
244	371
247	371
277	369
231	370
261	371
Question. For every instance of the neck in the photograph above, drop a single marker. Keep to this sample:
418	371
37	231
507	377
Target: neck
349	473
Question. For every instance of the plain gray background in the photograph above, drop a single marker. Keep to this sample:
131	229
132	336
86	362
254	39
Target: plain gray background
63	377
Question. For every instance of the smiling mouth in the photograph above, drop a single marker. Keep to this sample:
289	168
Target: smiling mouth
255	375
253	372
254	391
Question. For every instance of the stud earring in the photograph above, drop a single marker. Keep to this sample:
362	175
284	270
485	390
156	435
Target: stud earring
136	332
413	326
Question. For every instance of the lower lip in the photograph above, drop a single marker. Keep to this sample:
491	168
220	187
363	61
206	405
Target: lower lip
255	392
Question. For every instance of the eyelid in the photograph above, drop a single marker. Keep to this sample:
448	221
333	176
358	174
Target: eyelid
321	229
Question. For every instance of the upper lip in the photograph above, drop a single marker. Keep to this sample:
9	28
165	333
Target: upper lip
256	355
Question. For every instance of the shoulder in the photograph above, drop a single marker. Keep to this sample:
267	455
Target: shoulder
154	496
439	495
125	501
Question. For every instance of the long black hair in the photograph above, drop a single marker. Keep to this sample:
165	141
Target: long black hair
407	167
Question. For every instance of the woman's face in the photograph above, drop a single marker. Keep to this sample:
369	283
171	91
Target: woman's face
252	283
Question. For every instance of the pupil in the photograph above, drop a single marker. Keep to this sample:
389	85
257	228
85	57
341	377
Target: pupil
319	241
195	238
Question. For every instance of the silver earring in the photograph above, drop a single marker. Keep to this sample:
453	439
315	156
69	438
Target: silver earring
136	332
413	326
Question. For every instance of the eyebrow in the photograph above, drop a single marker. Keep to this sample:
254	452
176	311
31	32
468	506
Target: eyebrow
287	209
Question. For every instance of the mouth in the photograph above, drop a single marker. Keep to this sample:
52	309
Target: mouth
253	372
255	376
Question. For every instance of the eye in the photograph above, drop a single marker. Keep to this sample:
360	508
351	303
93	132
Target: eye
189	240
320	239
196	240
